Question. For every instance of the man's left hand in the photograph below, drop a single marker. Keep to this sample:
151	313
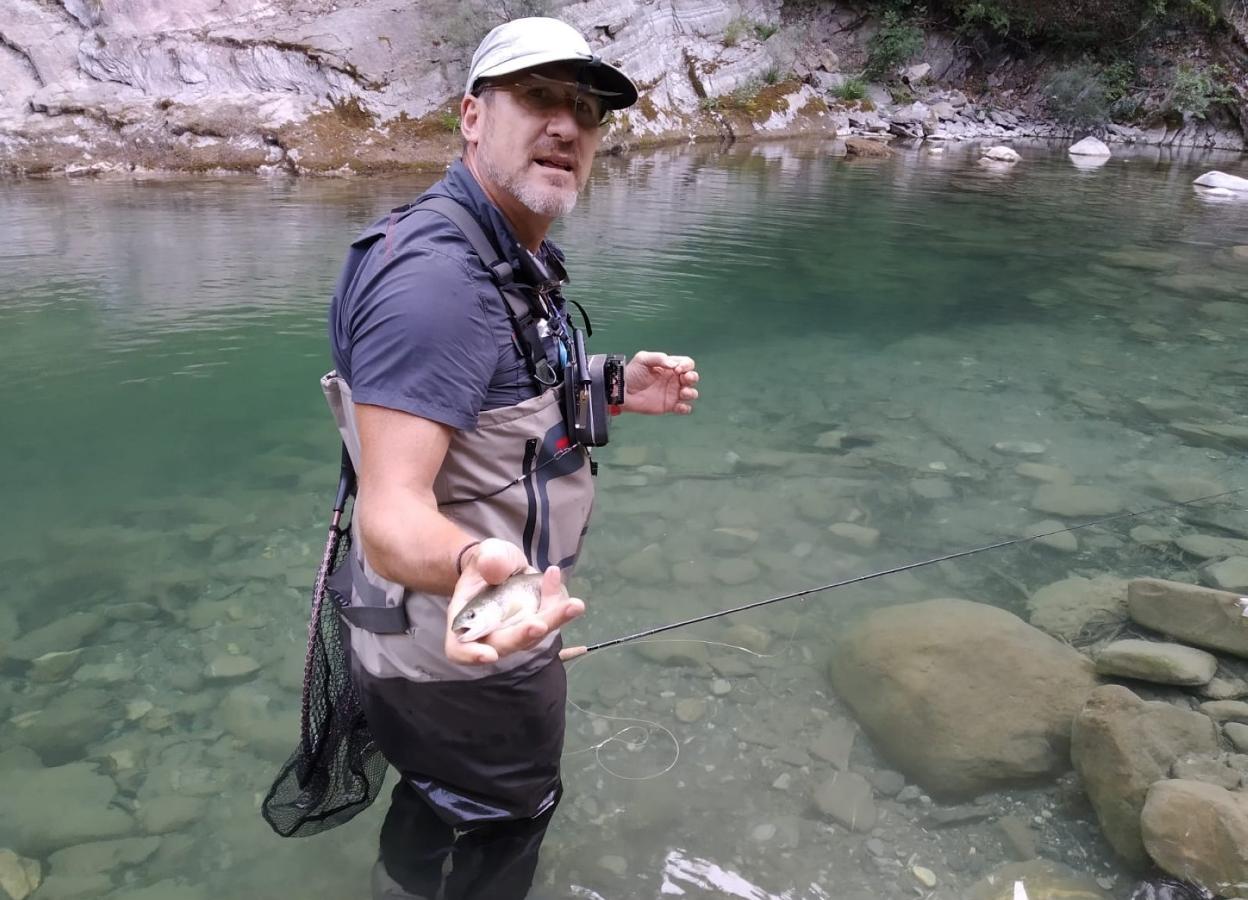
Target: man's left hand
656	383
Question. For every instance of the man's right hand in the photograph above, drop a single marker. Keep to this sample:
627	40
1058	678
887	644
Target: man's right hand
493	562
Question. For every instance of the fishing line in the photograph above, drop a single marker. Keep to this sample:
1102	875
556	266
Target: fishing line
574	652
619	735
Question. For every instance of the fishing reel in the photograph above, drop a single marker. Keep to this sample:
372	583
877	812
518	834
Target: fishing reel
591	386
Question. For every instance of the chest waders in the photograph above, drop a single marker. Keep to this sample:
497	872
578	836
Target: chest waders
479	743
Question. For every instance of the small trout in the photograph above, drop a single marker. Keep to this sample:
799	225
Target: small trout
499	606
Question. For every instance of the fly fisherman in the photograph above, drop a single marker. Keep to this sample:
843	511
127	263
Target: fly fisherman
454	355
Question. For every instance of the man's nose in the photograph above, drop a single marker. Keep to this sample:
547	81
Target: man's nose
562	121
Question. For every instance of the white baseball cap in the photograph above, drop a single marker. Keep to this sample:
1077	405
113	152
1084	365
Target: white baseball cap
535	41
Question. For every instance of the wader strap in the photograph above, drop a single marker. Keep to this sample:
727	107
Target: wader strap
371	612
377	619
518	305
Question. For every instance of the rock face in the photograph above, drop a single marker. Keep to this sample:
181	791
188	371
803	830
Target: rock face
1121	745
961	696
1199	832
1196	615
370	85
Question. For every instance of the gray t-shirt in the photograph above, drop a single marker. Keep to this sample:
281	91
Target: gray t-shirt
418	325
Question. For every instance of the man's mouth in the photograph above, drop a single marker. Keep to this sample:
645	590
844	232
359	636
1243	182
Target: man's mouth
559	165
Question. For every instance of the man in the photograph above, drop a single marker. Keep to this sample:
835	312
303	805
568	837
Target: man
449	336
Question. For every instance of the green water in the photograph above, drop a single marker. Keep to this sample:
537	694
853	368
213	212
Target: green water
167	464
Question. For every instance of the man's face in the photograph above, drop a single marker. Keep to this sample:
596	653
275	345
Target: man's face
534	137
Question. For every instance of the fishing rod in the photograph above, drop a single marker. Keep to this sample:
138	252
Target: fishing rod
569	653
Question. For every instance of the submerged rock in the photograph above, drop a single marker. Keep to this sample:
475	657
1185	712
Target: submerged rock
1076	500
1157	662
1064	608
961	697
1041	879
1120	746
1196	615
1230	574
847	798
1199	832
19	877
47	809
1002	154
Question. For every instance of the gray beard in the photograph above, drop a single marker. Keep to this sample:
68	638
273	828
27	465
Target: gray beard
550	203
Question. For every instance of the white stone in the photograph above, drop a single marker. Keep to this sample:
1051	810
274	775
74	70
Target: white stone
1090	146
924	876
616	865
1002	154
19	877
1019	448
720	687
861	535
1223	181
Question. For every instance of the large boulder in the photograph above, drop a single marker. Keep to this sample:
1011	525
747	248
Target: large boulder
1222	180
1089	146
962	697
1197	615
1199	832
1121	745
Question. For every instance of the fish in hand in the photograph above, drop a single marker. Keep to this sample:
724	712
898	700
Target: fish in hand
499	606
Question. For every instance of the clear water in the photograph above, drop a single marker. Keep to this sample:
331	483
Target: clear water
167	466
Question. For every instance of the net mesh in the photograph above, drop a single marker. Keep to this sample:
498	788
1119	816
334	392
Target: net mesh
337	770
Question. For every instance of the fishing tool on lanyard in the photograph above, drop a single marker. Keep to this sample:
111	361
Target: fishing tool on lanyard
573	652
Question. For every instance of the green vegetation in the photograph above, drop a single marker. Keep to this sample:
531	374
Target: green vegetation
898	41
740	28
1078	96
852	89
449	121
772	75
1060	24
735	31
1196	91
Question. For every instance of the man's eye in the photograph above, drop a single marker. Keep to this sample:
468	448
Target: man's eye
540	94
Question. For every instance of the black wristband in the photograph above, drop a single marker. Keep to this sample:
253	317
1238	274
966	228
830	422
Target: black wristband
459	560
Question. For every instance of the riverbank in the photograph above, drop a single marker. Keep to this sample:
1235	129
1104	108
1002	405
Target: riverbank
357	88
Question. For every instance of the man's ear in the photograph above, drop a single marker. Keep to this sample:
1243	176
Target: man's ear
470	111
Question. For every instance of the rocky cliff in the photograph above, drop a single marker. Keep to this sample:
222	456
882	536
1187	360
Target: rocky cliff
327	86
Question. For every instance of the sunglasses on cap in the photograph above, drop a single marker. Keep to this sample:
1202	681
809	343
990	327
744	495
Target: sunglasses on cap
543	95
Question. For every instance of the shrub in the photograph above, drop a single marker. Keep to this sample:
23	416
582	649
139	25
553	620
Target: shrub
1077	97
735	30
763	30
895	43
851	89
772	75
449	121
1196	91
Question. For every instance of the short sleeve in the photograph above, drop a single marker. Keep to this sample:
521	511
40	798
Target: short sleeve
418	338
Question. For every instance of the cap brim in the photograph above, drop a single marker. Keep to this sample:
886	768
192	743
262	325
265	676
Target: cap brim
619	90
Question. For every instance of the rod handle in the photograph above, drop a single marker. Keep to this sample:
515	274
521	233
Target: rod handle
570	653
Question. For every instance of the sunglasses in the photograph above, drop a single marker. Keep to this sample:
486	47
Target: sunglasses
543	96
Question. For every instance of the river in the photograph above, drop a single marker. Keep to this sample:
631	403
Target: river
866	331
